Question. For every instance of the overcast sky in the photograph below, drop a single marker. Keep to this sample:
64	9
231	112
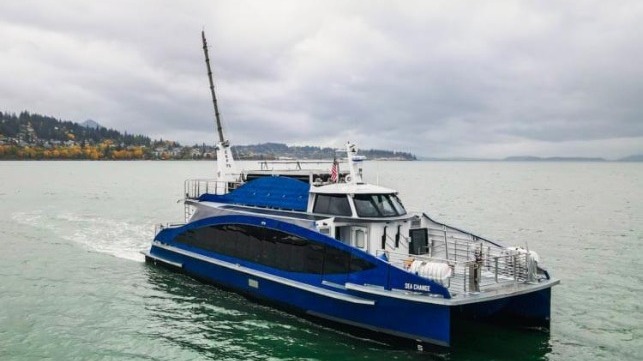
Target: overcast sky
436	78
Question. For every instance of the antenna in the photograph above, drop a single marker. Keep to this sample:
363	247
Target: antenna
214	96
226	169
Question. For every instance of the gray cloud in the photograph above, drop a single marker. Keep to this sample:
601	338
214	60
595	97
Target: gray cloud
439	78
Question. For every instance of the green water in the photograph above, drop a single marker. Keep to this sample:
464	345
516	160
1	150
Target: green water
73	285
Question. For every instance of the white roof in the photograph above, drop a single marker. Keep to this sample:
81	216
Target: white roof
350	188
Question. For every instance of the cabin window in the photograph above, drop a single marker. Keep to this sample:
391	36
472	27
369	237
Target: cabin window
336	261
249	241
358	264
334	204
273	248
360	238
397	204
378	205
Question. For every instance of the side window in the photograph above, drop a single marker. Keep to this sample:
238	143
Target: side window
336	204
293	253
321	203
273	248
225	239
336	261
365	206
314	258
359	264
269	253
249	241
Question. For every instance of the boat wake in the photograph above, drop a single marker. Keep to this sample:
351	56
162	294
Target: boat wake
118	238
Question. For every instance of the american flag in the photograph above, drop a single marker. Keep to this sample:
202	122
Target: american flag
334	171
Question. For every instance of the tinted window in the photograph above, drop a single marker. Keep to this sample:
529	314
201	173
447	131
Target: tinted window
273	248
357	264
378	205
335	204
249	242
399	208
336	261
365	207
314	258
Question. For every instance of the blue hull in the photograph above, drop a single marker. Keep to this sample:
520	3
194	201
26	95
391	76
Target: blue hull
531	309
421	323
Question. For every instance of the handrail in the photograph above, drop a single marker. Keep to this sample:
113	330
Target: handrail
426	216
481	269
264	165
161	226
194	188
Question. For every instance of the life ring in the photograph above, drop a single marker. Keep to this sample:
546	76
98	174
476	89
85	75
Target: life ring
347	179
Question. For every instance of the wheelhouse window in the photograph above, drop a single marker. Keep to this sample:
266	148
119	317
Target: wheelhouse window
335	204
378	205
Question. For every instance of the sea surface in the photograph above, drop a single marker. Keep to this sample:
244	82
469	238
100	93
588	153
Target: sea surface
73	285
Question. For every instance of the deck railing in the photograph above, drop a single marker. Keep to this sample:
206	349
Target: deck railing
194	188
294	164
474	265
161	226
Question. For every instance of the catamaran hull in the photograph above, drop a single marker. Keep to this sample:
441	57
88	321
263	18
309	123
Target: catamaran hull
381	315
532	309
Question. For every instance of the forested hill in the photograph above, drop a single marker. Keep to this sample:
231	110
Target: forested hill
31	128
34	136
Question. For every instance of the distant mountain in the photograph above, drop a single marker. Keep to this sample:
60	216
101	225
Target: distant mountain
632	158
91	124
530	158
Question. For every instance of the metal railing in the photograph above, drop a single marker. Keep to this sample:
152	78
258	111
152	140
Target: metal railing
293	164
194	188
161	226
474	265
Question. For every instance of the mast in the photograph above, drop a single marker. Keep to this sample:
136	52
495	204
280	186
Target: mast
226	169
214	96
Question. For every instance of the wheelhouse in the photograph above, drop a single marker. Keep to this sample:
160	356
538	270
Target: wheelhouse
355	201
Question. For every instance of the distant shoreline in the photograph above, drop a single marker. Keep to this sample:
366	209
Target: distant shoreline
631	159
323	160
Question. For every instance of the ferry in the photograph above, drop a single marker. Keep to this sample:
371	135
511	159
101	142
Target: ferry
317	240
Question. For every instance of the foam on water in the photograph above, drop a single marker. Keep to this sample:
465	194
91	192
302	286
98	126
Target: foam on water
118	238
27	218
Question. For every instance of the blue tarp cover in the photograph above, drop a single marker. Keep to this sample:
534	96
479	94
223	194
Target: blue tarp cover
270	192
